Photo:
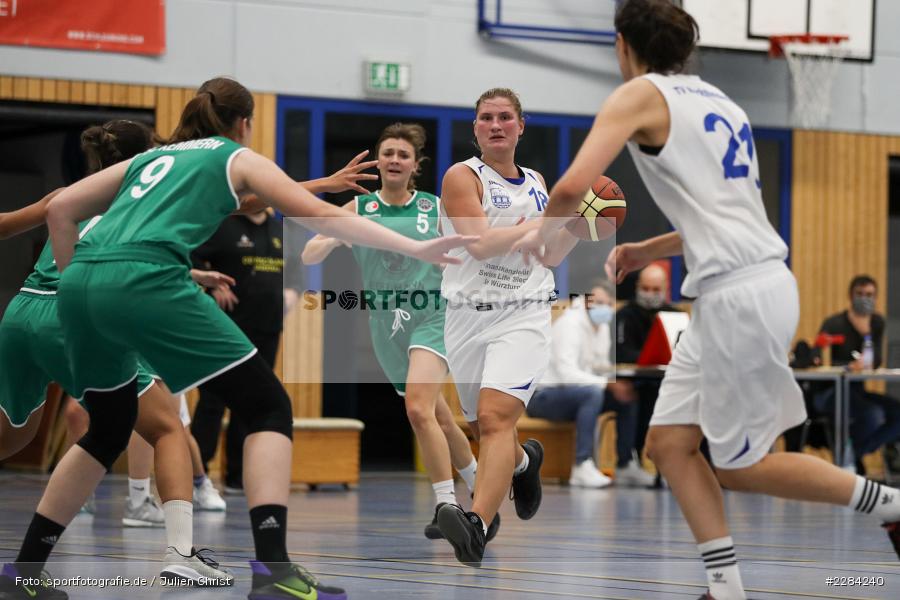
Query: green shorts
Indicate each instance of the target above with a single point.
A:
(395, 333)
(116, 311)
(32, 354)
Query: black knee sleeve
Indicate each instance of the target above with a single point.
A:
(255, 396)
(113, 414)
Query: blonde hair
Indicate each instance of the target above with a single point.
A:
(501, 93)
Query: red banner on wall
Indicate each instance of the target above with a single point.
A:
(132, 26)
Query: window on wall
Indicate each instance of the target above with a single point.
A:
(295, 135)
(538, 148)
(769, 157)
(346, 135)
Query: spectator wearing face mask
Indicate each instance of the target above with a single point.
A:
(874, 418)
(576, 388)
(633, 323)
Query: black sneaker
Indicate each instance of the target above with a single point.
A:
(526, 487)
(272, 581)
(893, 531)
(493, 528)
(465, 533)
(15, 586)
(432, 531)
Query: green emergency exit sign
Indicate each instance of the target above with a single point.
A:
(387, 77)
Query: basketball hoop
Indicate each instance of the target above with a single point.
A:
(813, 61)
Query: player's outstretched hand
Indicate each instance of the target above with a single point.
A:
(211, 279)
(624, 259)
(435, 251)
(349, 177)
(532, 244)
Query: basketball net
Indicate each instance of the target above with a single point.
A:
(813, 61)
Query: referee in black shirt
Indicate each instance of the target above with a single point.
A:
(249, 249)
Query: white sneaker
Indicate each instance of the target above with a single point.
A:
(634, 476)
(199, 569)
(206, 497)
(148, 514)
(89, 507)
(585, 474)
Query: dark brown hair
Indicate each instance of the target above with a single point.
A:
(501, 93)
(409, 132)
(219, 103)
(115, 141)
(662, 34)
(860, 281)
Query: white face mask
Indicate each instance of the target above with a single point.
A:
(600, 314)
(650, 300)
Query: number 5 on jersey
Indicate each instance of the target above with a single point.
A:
(152, 175)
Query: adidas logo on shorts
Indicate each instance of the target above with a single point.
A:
(269, 523)
(50, 539)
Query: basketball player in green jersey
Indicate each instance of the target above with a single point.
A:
(126, 293)
(408, 334)
(32, 354)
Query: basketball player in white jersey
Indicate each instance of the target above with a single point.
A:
(497, 330)
(729, 377)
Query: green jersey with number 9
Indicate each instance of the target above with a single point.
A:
(173, 197)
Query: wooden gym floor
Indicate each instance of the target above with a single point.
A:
(615, 544)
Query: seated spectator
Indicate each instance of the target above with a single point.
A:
(574, 390)
(874, 418)
(633, 323)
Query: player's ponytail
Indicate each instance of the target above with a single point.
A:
(661, 34)
(409, 132)
(215, 110)
(115, 141)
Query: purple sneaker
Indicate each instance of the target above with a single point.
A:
(16, 586)
(286, 581)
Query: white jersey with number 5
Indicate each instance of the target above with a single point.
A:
(500, 279)
(706, 181)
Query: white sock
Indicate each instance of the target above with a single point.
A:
(484, 525)
(872, 498)
(522, 465)
(138, 490)
(722, 573)
(444, 492)
(468, 474)
(180, 525)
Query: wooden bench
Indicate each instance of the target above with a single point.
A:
(324, 451)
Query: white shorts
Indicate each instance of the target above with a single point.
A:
(506, 349)
(729, 373)
(183, 410)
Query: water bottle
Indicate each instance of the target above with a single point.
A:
(868, 354)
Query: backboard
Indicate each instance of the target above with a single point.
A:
(745, 25)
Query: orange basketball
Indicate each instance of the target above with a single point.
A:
(601, 213)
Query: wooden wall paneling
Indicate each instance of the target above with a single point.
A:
(839, 221)
(91, 92)
(269, 130)
(33, 89)
(48, 90)
(148, 96)
(162, 110)
(20, 88)
(104, 94)
(63, 90)
(6, 87)
(77, 96)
